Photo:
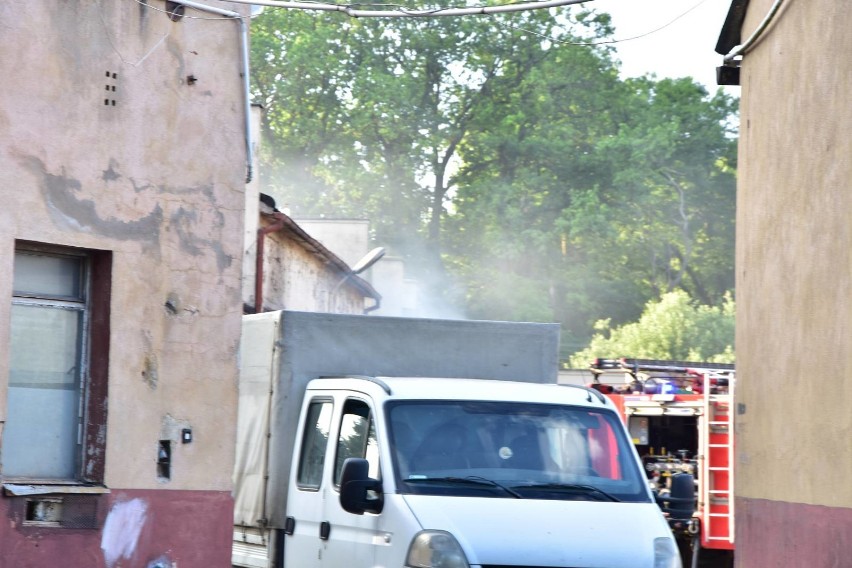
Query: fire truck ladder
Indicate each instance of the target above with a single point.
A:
(717, 472)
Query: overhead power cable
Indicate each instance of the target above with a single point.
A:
(402, 12)
(608, 41)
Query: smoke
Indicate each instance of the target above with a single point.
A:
(416, 284)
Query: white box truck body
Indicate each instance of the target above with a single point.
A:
(391, 442)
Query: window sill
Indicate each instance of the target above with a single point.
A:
(25, 489)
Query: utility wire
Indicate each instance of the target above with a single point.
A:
(397, 11)
(115, 48)
(402, 12)
(163, 11)
(608, 41)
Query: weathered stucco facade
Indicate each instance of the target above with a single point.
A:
(297, 272)
(122, 145)
(794, 314)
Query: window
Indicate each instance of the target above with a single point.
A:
(536, 450)
(357, 438)
(58, 361)
(314, 445)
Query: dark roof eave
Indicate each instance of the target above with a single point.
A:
(731, 34)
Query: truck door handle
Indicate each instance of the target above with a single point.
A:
(325, 530)
(289, 525)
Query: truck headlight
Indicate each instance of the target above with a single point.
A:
(435, 549)
(666, 554)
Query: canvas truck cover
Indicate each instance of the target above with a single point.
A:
(281, 351)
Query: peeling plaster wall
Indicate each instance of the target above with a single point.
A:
(158, 179)
(794, 313)
(295, 279)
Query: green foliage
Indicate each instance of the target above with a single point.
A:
(522, 169)
(673, 328)
(364, 117)
(611, 194)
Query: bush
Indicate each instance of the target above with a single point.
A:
(673, 328)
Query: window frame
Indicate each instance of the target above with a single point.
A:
(308, 429)
(371, 429)
(92, 351)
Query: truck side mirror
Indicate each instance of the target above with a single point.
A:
(679, 504)
(355, 482)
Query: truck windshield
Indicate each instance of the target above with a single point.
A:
(512, 450)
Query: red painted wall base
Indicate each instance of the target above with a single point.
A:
(775, 533)
(129, 529)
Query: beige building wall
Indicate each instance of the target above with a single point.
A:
(348, 238)
(297, 279)
(794, 291)
(400, 295)
(123, 130)
(299, 271)
(794, 288)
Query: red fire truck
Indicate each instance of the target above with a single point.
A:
(680, 416)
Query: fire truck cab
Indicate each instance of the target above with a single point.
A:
(680, 417)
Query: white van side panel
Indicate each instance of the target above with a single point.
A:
(258, 367)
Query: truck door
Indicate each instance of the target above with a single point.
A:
(353, 539)
(303, 547)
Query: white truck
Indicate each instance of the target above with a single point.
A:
(391, 442)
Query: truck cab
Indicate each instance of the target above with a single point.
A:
(458, 473)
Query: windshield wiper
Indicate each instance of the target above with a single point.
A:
(470, 480)
(571, 488)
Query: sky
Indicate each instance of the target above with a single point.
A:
(685, 47)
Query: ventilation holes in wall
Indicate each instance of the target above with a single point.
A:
(110, 87)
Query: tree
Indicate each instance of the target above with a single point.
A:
(673, 328)
(674, 161)
(505, 156)
(605, 193)
(529, 187)
(366, 117)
